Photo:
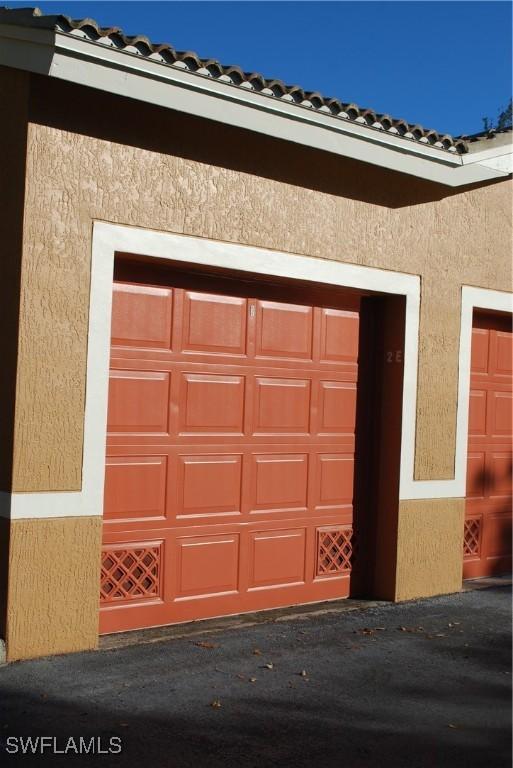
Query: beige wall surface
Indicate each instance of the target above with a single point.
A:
(53, 594)
(429, 548)
(125, 163)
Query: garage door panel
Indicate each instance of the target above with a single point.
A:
(214, 324)
(208, 485)
(503, 357)
(476, 474)
(138, 401)
(278, 482)
(497, 534)
(339, 336)
(282, 405)
(284, 331)
(135, 487)
(477, 413)
(500, 413)
(142, 316)
(334, 480)
(211, 403)
(206, 565)
(479, 353)
(277, 558)
(500, 464)
(337, 407)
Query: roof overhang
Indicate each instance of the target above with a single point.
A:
(96, 65)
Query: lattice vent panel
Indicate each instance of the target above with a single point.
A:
(131, 573)
(334, 551)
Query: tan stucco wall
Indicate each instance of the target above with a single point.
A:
(53, 593)
(429, 547)
(73, 179)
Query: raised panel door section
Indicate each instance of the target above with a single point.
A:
(277, 558)
(476, 474)
(479, 353)
(138, 401)
(135, 487)
(500, 468)
(211, 403)
(141, 316)
(497, 536)
(339, 336)
(504, 353)
(206, 565)
(279, 482)
(334, 484)
(214, 324)
(284, 330)
(337, 407)
(282, 405)
(500, 413)
(208, 485)
(477, 413)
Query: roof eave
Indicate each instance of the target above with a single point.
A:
(70, 58)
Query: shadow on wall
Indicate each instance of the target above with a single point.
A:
(113, 118)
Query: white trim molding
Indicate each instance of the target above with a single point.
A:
(85, 62)
(111, 238)
(471, 298)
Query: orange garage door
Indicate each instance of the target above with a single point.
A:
(230, 452)
(487, 539)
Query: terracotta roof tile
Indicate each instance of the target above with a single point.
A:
(166, 54)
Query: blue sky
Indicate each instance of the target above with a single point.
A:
(442, 64)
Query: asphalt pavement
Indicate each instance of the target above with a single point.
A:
(424, 684)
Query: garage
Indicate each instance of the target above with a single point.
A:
(487, 536)
(230, 447)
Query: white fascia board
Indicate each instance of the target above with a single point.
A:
(502, 150)
(499, 158)
(105, 68)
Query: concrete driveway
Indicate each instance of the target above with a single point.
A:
(421, 685)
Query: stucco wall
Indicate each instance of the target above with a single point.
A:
(429, 548)
(53, 595)
(74, 178)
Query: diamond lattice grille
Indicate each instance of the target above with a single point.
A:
(130, 574)
(334, 551)
(472, 537)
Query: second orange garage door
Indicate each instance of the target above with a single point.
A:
(230, 452)
(488, 514)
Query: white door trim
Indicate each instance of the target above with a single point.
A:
(111, 238)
